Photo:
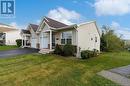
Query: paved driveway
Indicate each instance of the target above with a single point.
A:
(15, 52)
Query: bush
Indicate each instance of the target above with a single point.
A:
(58, 50)
(95, 52)
(88, 54)
(68, 50)
(65, 50)
(19, 42)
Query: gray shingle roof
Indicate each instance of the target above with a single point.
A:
(26, 31)
(53, 23)
(34, 27)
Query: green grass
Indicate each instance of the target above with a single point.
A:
(7, 47)
(52, 70)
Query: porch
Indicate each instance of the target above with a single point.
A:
(26, 40)
(49, 39)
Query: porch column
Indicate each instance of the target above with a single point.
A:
(25, 41)
(50, 40)
(22, 42)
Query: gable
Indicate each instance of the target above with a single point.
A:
(51, 23)
(33, 34)
(54, 23)
(30, 29)
(34, 27)
(45, 28)
(91, 28)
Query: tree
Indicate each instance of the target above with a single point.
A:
(110, 41)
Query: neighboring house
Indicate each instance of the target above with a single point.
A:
(50, 32)
(11, 34)
(30, 36)
(2, 38)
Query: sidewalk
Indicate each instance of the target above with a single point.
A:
(117, 78)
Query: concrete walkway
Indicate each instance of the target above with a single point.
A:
(125, 70)
(117, 78)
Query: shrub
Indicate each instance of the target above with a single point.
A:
(88, 54)
(95, 52)
(68, 50)
(65, 50)
(58, 50)
(19, 42)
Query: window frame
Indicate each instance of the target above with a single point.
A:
(66, 38)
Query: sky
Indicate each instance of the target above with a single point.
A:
(114, 13)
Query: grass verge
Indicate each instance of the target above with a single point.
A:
(53, 70)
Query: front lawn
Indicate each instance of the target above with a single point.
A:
(7, 47)
(52, 70)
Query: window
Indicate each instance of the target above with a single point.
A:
(66, 37)
(95, 39)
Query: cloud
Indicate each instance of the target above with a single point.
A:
(64, 15)
(121, 30)
(83, 3)
(112, 7)
(115, 25)
(15, 25)
(38, 21)
(89, 3)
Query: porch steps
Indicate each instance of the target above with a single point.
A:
(45, 51)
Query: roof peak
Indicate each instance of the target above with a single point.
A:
(54, 23)
(34, 27)
(48, 18)
(33, 24)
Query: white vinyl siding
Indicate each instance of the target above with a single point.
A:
(88, 37)
(33, 43)
(34, 39)
(12, 36)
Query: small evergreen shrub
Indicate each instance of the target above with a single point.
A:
(88, 54)
(68, 50)
(65, 50)
(19, 42)
(58, 50)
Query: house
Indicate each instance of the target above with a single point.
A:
(127, 44)
(11, 34)
(30, 36)
(2, 38)
(85, 36)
